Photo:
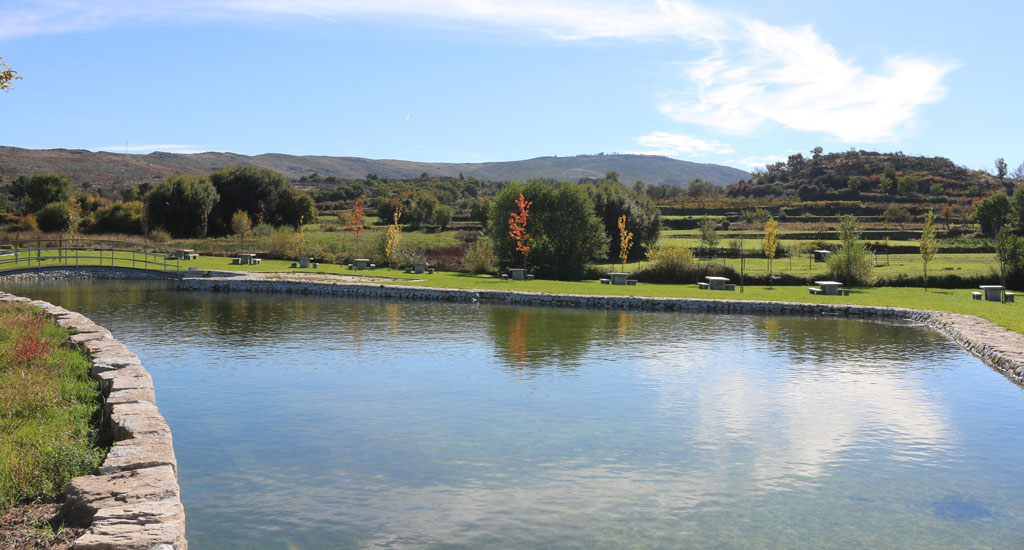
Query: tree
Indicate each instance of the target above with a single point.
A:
(1008, 251)
(947, 214)
(888, 181)
(394, 235)
(992, 212)
(517, 226)
(42, 189)
(240, 225)
(355, 221)
(1001, 168)
(1017, 205)
(816, 152)
(265, 196)
(442, 217)
(181, 204)
(907, 185)
(59, 216)
(478, 212)
(565, 234)
(7, 75)
(929, 244)
(852, 262)
(295, 209)
(770, 243)
(625, 241)
(1018, 173)
(709, 238)
(643, 219)
(701, 188)
(896, 214)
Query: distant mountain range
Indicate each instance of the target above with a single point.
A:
(117, 170)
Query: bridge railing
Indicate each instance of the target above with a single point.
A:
(39, 253)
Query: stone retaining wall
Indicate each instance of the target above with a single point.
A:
(134, 502)
(60, 273)
(996, 346)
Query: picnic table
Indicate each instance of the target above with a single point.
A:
(618, 278)
(517, 273)
(829, 288)
(304, 263)
(717, 283)
(362, 263)
(993, 293)
(248, 259)
(187, 254)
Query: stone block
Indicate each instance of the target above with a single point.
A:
(87, 495)
(145, 451)
(143, 526)
(124, 378)
(135, 420)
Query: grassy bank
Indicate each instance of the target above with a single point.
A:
(50, 410)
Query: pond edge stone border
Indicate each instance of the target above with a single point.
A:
(998, 347)
(135, 501)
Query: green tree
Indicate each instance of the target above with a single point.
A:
(263, 194)
(1009, 252)
(851, 263)
(42, 189)
(888, 181)
(929, 244)
(442, 217)
(479, 211)
(937, 189)
(118, 217)
(709, 238)
(181, 204)
(1001, 168)
(565, 234)
(992, 212)
(907, 185)
(701, 188)
(59, 216)
(1017, 205)
(643, 219)
(896, 214)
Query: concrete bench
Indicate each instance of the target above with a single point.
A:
(1009, 296)
(844, 291)
(235, 261)
(295, 264)
(631, 282)
(373, 266)
(430, 271)
(703, 286)
(408, 270)
(256, 261)
(605, 281)
(731, 287)
(351, 267)
(814, 290)
(529, 276)
(976, 295)
(504, 276)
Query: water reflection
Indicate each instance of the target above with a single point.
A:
(305, 422)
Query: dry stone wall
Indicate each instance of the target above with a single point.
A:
(134, 502)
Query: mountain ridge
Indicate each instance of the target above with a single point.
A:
(117, 170)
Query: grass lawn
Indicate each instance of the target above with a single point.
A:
(49, 408)
(958, 300)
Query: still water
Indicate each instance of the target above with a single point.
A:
(304, 422)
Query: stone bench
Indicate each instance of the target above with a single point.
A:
(605, 281)
(731, 287)
(814, 290)
(631, 282)
(976, 295)
(235, 261)
(703, 286)
(529, 276)
(1009, 296)
(844, 291)
(504, 276)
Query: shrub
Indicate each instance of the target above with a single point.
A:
(286, 243)
(671, 264)
(159, 235)
(480, 257)
(59, 216)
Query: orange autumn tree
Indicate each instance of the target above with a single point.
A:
(625, 241)
(355, 221)
(517, 226)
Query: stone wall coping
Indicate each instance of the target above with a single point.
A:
(134, 502)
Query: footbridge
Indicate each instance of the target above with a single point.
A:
(70, 253)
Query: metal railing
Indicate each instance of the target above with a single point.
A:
(79, 252)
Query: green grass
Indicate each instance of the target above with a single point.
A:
(49, 408)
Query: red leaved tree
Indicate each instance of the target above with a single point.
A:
(517, 226)
(355, 222)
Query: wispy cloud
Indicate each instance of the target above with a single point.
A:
(752, 73)
(755, 161)
(165, 147)
(794, 78)
(671, 145)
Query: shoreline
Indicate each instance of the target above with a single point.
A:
(1000, 348)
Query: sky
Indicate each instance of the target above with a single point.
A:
(725, 82)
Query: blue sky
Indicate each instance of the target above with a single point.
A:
(728, 82)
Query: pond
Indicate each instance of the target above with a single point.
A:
(304, 422)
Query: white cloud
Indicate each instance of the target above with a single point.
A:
(755, 161)
(754, 73)
(793, 78)
(166, 147)
(671, 145)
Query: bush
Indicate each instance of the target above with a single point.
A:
(671, 264)
(59, 217)
(286, 244)
(117, 217)
(159, 235)
(480, 257)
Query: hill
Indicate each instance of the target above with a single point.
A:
(869, 176)
(116, 170)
